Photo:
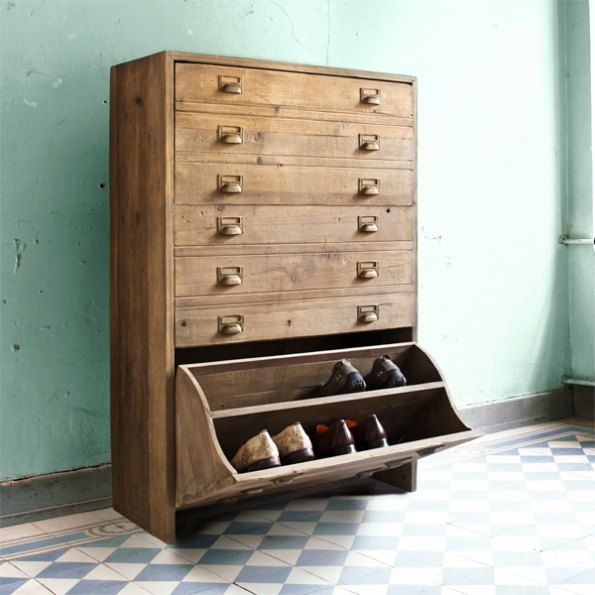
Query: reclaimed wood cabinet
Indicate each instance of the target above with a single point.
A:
(263, 226)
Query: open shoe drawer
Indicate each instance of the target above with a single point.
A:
(220, 405)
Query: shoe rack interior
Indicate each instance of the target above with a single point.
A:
(263, 226)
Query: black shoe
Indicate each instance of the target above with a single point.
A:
(385, 374)
(344, 379)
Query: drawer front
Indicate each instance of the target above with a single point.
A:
(236, 135)
(284, 319)
(251, 86)
(215, 225)
(268, 273)
(205, 183)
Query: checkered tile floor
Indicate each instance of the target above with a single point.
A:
(511, 513)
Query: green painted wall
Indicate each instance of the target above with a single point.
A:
(581, 259)
(493, 308)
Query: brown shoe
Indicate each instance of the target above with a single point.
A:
(368, 433)
(260, 452)
(344, 379)
(385, 374)
(334, 440)
(294, 444)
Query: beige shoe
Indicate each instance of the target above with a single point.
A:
(294, 444)
(260, 452)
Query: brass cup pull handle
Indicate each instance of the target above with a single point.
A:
(369, 228)
(231, 188)
(230, 184)
(367, 224)
(232, 139)
(232, 88)
(285, 480)
(230, 84)
(369, 142)
(368, 317)
(230, 135)
(230, 280)
(229, 276)
(230, 226)
(368, 274)
(368, 314)
(231, 328)
(371, 145)
(367, 270)
(252, 491)
(369, 186)
(370, 96)
(230, 230)
(370, 190)
(230, 325)
(371, 99)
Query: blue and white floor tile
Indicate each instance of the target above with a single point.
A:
(511, 513)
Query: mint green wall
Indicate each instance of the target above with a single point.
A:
(581, 259)
(493, 308)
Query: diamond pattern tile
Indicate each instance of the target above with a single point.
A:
(511, 513)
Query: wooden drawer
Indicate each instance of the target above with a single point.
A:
(210, 84)
(282, 319)
(222, 404)
(197, 183)
(270, 273)
(208, 133)
(208, 225)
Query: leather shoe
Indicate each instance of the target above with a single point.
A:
(344, 379)
(294, 444)
(385, 374)
(260, 452)
(368, 433)
(333, 440)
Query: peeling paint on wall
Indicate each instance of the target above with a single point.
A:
(489, 311)
(19, 248)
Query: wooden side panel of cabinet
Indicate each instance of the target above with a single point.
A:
(142, 348)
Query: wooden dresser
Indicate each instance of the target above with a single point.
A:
(263, 226)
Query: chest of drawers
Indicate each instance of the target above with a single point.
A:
(262, 223)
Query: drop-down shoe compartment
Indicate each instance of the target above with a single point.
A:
(220, 405)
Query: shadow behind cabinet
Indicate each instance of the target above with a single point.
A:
(262, 227)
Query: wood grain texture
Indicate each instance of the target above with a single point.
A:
(300, 162)
(403, 477)
(419, 419)
(297, 160)
(295, 248)
(142, 349)
(309, 91)
(289, 272)
(323, 472)
(191, 58)
(292, 358)
(276, 224)
(266, 320)
(197, 183)
(399, 409)
(281, 380)
(231, 300)
(200, 463)
(198, 133)
(395, 408)
(278, 111)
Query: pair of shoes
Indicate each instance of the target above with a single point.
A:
(347, 436)
(291, 445)
(345, 378)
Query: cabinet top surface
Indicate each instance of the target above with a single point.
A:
(175, 56)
